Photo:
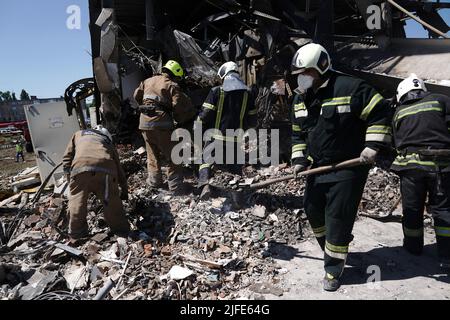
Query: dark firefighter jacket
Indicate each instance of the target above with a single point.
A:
(337, 122)
(421, 122)
(224, 110)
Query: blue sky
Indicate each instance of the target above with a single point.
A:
(37, 51)
(40, 54)
(415, 30)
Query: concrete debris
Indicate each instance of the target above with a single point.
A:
(72, 251)
(232, 215)
(180, 247)
(28, 178)
(37, 283)
(32, 172)
(382, 192)
(259, 211)
(11, 199)
(266, 288)
(273, 218)
(177, 273)
(140, 151)
(76, 277)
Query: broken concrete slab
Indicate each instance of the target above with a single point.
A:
(178, 273)
(71, 250)
(26, 183)
(259, 211)
(34, 235)
(266, 288)
(11, 199)
(273, 218)
(37, 284)
(99, 237)
(140, 151)
(76, 277)
(95, 274)
(32, 220)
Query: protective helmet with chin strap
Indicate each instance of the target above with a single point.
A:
(103, 131)
(226, 68)
(413, 82)
(312, 55)
(174, 68)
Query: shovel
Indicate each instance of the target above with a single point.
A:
(240, 197)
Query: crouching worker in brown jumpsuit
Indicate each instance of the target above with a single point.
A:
(91, 164)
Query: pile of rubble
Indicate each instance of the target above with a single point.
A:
(381, 194)
(26, 179)
(181, 248)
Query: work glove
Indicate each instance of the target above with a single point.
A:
(298, 168)
(368, 155)
(124, 195)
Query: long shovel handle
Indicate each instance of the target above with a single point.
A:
(342, 165)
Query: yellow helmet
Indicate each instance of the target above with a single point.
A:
(175, 68)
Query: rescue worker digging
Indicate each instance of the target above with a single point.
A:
(228, 107)
(421, 134)
(335, 118)
(161, 103)
(91, 164)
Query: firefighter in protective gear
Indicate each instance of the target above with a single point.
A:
(91, 164)
(421, 133)
(334, 118)
(162, 103)
(228, 107)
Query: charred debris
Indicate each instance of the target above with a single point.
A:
(183, 248)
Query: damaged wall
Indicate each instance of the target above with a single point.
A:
(137, 36)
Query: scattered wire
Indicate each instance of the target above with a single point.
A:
(58, 296)
(137, 47)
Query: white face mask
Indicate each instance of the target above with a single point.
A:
(304, 82)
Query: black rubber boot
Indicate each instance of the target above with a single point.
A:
(413, 246)
(331, 283)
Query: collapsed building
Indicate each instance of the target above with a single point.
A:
(131, 40)
(183, 248)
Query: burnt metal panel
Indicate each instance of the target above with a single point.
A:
(51, 129)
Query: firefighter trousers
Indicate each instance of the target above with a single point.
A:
(415, 185)
(106, 189)
(331, 209)
(159, 144)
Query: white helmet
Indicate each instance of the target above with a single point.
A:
(104, 131)
(312, 55)
(411, 83)
(226, 68)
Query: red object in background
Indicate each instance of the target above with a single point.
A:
(20, 125)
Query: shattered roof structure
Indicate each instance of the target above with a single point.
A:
(138, 35)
